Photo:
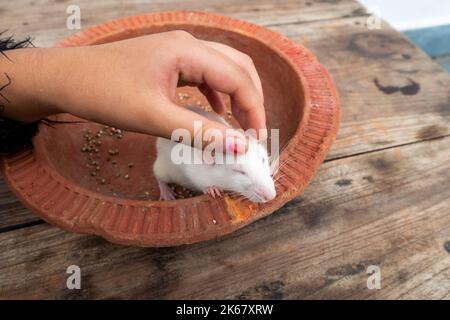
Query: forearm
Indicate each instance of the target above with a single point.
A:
(42, 82)
(131, 84)
(24, 80)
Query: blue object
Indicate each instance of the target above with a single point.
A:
(435, 41)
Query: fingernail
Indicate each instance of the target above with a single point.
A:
(235, 144)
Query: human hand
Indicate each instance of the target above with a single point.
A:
(131, 84)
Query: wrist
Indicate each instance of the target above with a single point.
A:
(28, 94)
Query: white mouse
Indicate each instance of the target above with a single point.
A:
(250, 176)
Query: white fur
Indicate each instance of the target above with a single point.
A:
(256, 184)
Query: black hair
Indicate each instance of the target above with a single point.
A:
(13, 134)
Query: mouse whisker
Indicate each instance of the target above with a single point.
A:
(278, 172)
(279, 177)
(282, 149)
(281, 165)
(279, 153)
(258, 196)
(276, 181)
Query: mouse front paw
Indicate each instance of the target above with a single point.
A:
(213, 191)
(165, 192)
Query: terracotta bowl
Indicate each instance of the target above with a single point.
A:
(55, 179)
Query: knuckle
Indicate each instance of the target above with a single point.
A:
(247, 59)
(258, 101)
(244, 78)
(181, 35)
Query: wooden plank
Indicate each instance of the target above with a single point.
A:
(356, 57)
(12, 212)
(388, 208)
(370, 69)
(45, 20)
(372, 119)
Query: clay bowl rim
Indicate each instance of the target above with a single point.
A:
(93, 39)
(287, 49)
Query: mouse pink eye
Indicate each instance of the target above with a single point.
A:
(239, 171)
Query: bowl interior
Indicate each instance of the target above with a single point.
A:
(122, 163)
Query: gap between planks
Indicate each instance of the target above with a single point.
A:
(316, 247)
(386, 148)
(36, 222)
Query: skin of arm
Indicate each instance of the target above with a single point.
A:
(131, 84)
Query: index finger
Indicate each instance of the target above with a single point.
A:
(203, 64)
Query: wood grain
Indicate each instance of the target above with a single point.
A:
(371, 118)
(12, 212)
(381, 198)
(387, 208)
(45, 20)
(370, 69)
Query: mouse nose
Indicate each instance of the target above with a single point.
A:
(268, 194)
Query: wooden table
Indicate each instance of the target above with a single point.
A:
(381, 198)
